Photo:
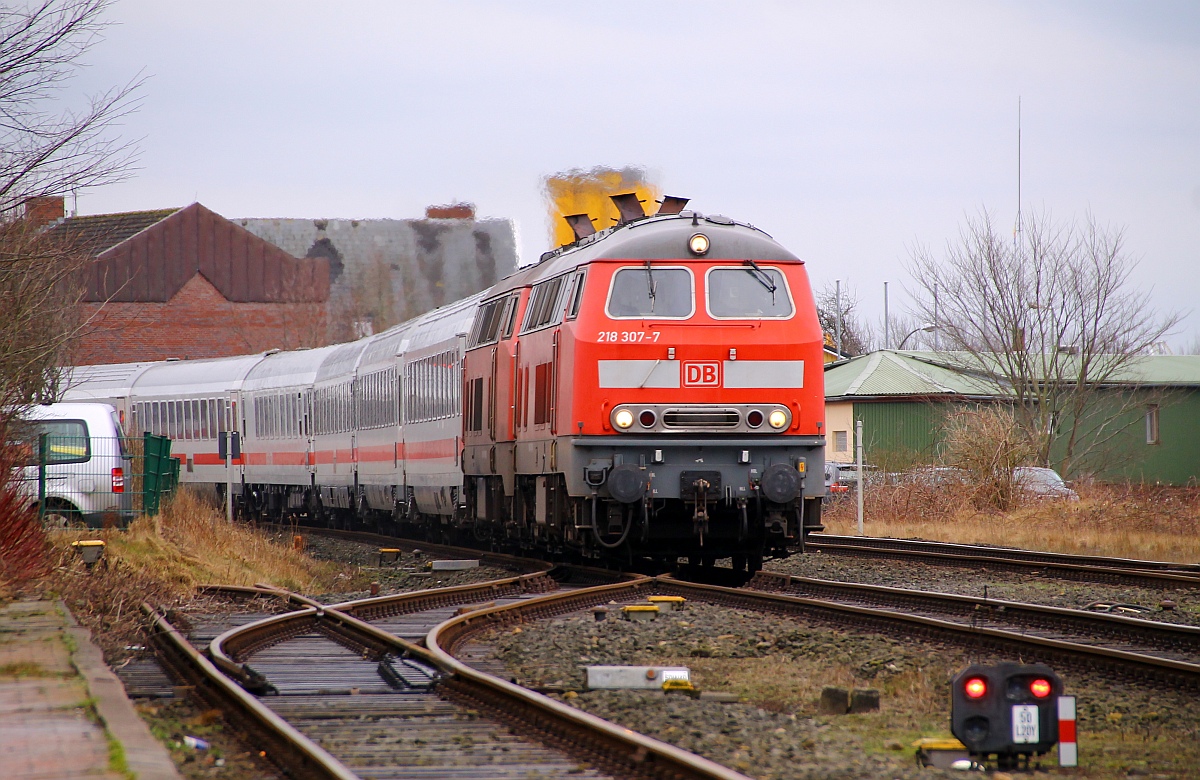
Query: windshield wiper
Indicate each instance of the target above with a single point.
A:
(650, 285)
(763, 278)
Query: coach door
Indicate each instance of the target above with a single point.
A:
(310, 457)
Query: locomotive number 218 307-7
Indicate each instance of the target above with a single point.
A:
(628, 336)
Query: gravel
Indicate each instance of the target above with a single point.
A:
(1005, 585)
(778, 667)
(406, 574)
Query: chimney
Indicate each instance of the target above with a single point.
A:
(451, 211)
(44, 210)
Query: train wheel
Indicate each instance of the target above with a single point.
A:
(755, 563)
(739, 563)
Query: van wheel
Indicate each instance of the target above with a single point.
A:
(58, 515)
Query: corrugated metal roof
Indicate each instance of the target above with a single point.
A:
(895, 373)
(148, 256)
(1166, 370)
(888, 372)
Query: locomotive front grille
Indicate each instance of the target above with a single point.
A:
(701, 418)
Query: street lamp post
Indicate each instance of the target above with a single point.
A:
(922, 329)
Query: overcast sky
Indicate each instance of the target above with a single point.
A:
(849, 131)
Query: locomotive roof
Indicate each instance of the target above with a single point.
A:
(655, 238)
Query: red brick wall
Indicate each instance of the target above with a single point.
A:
(44, 210)
(198, 322)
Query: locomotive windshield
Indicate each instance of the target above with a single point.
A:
(750, 292)
(659, 292)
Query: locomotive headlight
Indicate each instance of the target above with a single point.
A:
(698, 244)
(623, 419)
(777, 419)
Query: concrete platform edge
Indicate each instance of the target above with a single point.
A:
(145, 756)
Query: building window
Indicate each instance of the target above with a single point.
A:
(1152, 424)
(841, 441)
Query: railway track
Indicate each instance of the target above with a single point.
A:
(1168, 641)
(1085, 568)
(347, 690)
(1136, 652)
(338, 696)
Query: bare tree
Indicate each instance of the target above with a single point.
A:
(1052, 321)
(47, 147)
(856, 334)
(40, 292)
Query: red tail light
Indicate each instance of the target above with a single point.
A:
(1040, 688)
(975, 687)
(118, 481)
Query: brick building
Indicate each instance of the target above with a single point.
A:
(188, 283)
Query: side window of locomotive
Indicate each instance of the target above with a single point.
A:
(510, 315)
(487, 322)
(544, 305)
(748, 293)
(576, 295)
(641, 291)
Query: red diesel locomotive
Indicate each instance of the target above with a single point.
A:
(653, 390)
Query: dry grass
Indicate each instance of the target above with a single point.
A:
(162, 559)
(1134, 521)
(190, 544)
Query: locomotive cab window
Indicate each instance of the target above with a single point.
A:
(748, 292)
(651, 291)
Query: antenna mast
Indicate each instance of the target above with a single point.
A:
(1017, 229)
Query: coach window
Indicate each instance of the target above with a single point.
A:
(749, 292)
(651, 291)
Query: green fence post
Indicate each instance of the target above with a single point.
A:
(43, 444)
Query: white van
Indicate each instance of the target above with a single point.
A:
(88, 468)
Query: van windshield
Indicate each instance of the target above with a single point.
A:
(642, 291)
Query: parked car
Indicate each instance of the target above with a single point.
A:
(86, 464)
(1039, 482)
(933, 476)
(842, 478)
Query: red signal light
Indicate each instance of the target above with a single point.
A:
(1040, 688)
(976, 687)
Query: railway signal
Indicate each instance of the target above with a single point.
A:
(1008, 710)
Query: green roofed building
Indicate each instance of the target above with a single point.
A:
(903, 398)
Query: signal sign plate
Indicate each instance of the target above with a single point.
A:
(701, 374)
(1025, 724)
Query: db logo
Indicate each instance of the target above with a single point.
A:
(702, 374)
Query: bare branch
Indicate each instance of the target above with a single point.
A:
(46, 148)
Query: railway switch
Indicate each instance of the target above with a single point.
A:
(1007, 710)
